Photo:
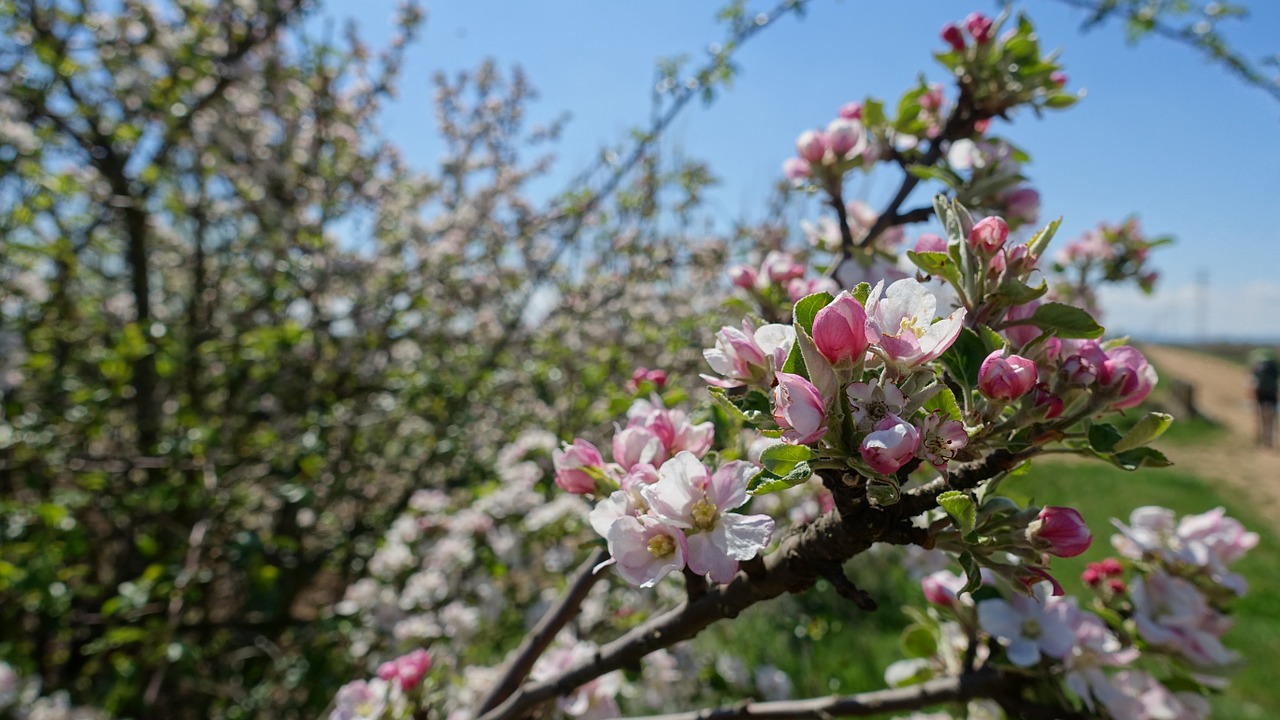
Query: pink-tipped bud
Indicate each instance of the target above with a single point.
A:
(1126, 371)
(1022, 204)
(1117, 586)
(1059, 78)
(1006, 378)
(795, 168)
(929, 242)
(941, 587)
(951, 35)
(981, 126)
(933, 98)
(979, 27)
(572, 464)
(798, 409)
(780, 267)
(844, 137)
(851, 111)
(891, 445)
(840, 330)
(1060, 531)
(1048, 403)
(743, 276)
(812, 146)
(988, 235)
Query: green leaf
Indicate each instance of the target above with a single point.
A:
(794, 363)
(861, 292)
(1040, 241)
(1063, 320)
(1147, 429)
(964, 358)
(944, 402)
(1140, 457)
(972, 572)
(961, 508)
(1061, 100)
(1017, 293)
(783, 458)
(1103, 437)
(919, 641)
(933, 172)
(808, 307)
(752, 407)
(766, 482)
(938, 264)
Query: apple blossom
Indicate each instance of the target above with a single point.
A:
(406, 670)
(943, 588)
(1174, 614)
(845, 138)
(635, 445)
(951, 35)
(900, 322)
(870, 403)
(1059, 531)
(799, 288)
(928, 242)
(1128, 372)
(851, 111)
(988, 235)
(794, 168)
(799, 409)
(1029, 627)
(940, 438)
(743, 276)
(573, 465)
(840, 330)
(979, 27)
(780, 267)
(688, 497)
(749, 356)
(646, 549)
(890, 445)
(1004, 377)
(812, 146)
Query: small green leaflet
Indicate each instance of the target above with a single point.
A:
(961, 508)
(1147, 429)
(766, 482)
(782, 458)
(944, 402)
(1062, 320)
(807, 309)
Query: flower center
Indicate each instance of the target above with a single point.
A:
(1030, 628)
(661, 546)
(913, 324)
(704, 513)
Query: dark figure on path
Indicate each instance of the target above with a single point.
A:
(1265, 374)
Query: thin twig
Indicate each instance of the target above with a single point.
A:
(536, 642)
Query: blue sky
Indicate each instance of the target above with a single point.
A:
(1161, 133)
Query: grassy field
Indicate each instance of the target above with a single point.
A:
(827, 646)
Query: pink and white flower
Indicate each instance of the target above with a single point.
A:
(940, 438)
(870, 403)
(799, 409)
(840, 330)
(890, 445)
(1029, 627)
(1006, 377)
(749, 356)
(406, 670)
(645, 548)
(687, 496)
(900, 322)
(575, 465)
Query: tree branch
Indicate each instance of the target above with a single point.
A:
(983, 683)
(536, 642)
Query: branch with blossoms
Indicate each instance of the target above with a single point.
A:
(896, 408)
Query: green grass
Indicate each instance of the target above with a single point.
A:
(828, 646)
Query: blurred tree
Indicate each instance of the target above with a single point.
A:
(239, 331)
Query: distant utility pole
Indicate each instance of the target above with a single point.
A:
(1202, 304)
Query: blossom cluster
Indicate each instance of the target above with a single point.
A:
(1165, 623)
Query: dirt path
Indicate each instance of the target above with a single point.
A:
(1221, 391)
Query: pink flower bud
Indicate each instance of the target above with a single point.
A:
(635, 445)
(571, 464)
(812, 146)
(981, 126)
(840, 330)
(844, 137)
(932, 100)
(941, 587)
(1060, 531)
(743, 276)
(929, 242)
(1022, 204)
(951, 36)
(406, 670)
(1127, 371)
(1059, 78)
(795, 168)
(1048, 403)
(1006, 378)
(851, 111)
(799, 409)
(988, 235)
(979, 27)
(1117, 586)
(891, 445)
